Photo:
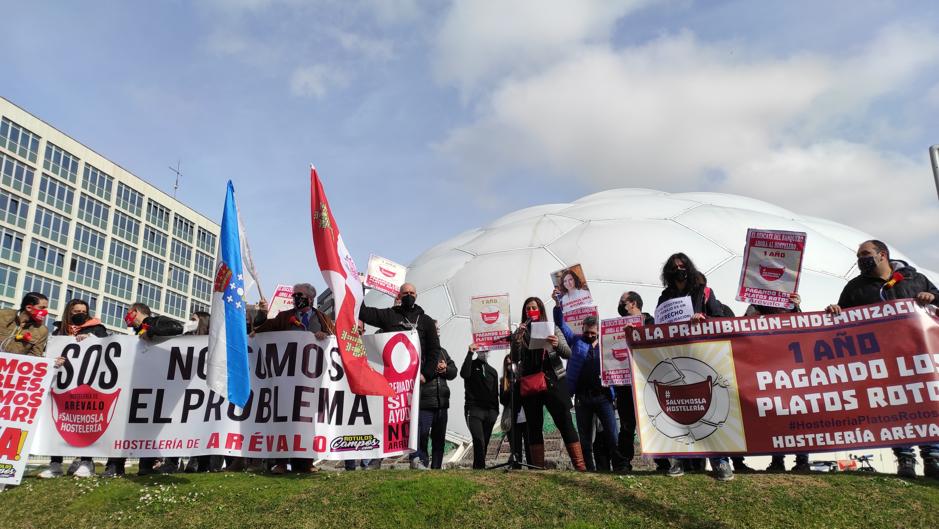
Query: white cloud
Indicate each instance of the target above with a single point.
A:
(316, 80)
(483, 39)
(370, 48)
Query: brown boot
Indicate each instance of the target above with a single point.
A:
(577, 456)
(537, 455)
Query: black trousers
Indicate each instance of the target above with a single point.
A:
(480, 422)
(431, 426)
(59, 459)
(627, 422)
(558, 404)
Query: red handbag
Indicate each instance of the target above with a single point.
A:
(533, 384)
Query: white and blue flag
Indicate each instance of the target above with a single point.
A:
(227, 360)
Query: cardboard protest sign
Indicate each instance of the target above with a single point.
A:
(861, 379)
(575, 318)
(674, 310)
(24, 381)
(282, 300)
(772, 264)
(572, 283)
(489, 317)
(385, 275)
(126, 397)
(614, 351)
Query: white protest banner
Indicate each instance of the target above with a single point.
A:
(572, 284)
(614, 351)
(575, 318)
(126, 397)
(24, 381)
(674, 310)
(489, 317)
(772, 264)
(385, 275)
(282, 300)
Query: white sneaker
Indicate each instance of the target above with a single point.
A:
(74, 466)
(417, 465)
(54, 471)
(85, 470)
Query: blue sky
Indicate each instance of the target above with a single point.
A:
(429, 118)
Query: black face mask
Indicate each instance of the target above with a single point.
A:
(622, 310)
(407, 302)
(79, 319)
(867, 264)
(300, 301)
(677, 275)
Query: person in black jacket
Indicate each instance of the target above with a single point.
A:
(481, 401)
(680, 278)
(436, 369)
(77, 322)
(630, 304)
(406, 315)
(871, 286)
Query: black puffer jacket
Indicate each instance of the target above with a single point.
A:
(864, 290)
(481, 383)
(162, 326)
(435, 393)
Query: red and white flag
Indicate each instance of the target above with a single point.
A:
(342, 277)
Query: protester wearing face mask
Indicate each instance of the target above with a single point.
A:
(680, 279)
(881, 279)
(407, 315)
(24, 331)
(303, 318)
(544, 385)
(591, 399)
(76, 322)
(481, 400)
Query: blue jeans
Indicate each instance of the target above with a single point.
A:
(602, 407)
(924, 451)
(432, 426)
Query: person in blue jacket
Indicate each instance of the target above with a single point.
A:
(591, 398)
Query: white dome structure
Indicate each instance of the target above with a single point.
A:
(622, 238)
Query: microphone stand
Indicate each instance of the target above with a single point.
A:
(515, 441)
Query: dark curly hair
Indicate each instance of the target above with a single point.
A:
(669, 268)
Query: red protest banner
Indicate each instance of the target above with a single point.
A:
(772, 264)
(802, 382)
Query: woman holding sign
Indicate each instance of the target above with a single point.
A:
(680, 279)
(538, 347)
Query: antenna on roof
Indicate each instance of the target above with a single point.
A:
(178, 174)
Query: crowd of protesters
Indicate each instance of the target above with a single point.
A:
(559, 374)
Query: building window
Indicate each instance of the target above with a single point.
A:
(51, 225)
(181, 254)
(112, 312)
(11, 244)
(88, 241)
(202, 288)
(17, 175)
(125, 227)
(13, 209)
(179, 279)
(183, 228)
(196, 306)
(206, 241)
(154, 240)
(150, 294)
(18, 140)
(123, 255)
(93, 211)
(158, 215)
(46, 257)
(51, 289)
(73, 292)
(56, 194)
(152, 267)
(8, 276)
(84, 272)
(60, 162)
(97, 182)
(119, 284)
(128, 199)
(204, 264)
(176, 304)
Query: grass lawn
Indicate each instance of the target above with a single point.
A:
(467, 499)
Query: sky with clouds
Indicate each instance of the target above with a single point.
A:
(429, 118)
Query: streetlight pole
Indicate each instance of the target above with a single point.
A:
(934, 156)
